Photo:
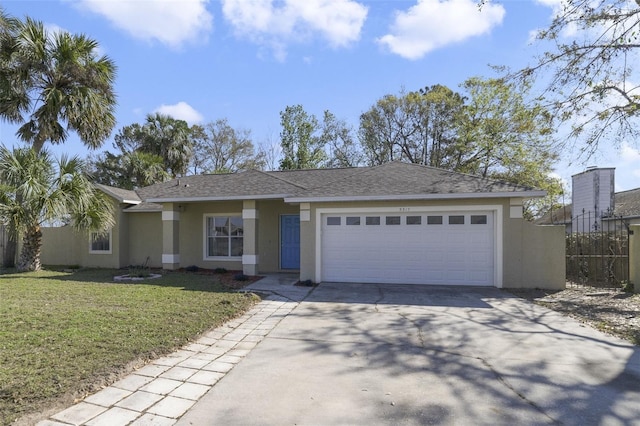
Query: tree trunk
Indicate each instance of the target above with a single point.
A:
(31, 247)
(9, 258)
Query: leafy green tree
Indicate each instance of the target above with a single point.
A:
(53, 83)
(35, 188)
(302, 147)
(338, 137)
(502, 136)
(219, 148)
(441, 111)
(163, 136)
(490, 130)
(416, 127)
(588, 73)
(130, 170)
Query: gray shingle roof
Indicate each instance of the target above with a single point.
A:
(409, 180)
(145, 207)
(628, 203)
(121, 195)
(395, 179)
(244, 185)
(308, 179)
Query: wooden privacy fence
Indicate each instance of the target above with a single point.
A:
(598, 251)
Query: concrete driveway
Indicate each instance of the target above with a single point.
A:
(365, 354)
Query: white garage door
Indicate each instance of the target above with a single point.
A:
(450, 248)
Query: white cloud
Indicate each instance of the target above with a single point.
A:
(629, 154)
(432, 24)
(339, 22)
(556, 4)
(53, 29)
(181, 111)
(170, 22)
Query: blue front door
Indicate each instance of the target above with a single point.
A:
(290, 241)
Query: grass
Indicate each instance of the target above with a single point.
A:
(63, 335)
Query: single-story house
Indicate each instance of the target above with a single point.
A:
(393, 223)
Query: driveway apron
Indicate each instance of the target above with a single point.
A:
(365, 354)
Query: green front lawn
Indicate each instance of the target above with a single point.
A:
(62, 335)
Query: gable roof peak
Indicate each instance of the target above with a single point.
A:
(124, 196)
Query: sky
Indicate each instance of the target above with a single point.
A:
(246, 60)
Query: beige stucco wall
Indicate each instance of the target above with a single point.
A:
(100, 260)
(269, 233)
(191, 233)
(544, 254)
(61, 246)
(532, 256)
(634, 256)
(64, 246)
(144, 238)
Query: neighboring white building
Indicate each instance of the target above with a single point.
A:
(593, 197)
(595, 204)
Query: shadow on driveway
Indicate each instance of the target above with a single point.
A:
(389, 354)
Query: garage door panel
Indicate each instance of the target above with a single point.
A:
(409, 253)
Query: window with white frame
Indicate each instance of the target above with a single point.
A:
(100, 242)
(223, 236)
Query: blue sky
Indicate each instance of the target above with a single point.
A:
(246, 60)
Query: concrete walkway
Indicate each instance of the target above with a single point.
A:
(164, 390)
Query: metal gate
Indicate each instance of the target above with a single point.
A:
(598, 251)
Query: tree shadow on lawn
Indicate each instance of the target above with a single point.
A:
(512, 363)
(202, 280)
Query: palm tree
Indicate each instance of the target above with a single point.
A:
(52, 83)
(35, 188)
(169, 138)
(130, 170)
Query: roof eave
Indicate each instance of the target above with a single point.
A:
(105, 189)
(451, 196)
(222, 198)
(142, 211)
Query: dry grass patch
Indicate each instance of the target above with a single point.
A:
(610, 310)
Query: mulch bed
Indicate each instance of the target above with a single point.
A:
(234, 280)
(610, 310)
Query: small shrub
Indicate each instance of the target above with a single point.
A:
(627, 286)
(192, 268)
(139, 271)
(220, 271)
(306, 283)
(241, 277)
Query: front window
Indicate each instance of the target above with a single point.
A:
(100, 242)
(224, 236)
